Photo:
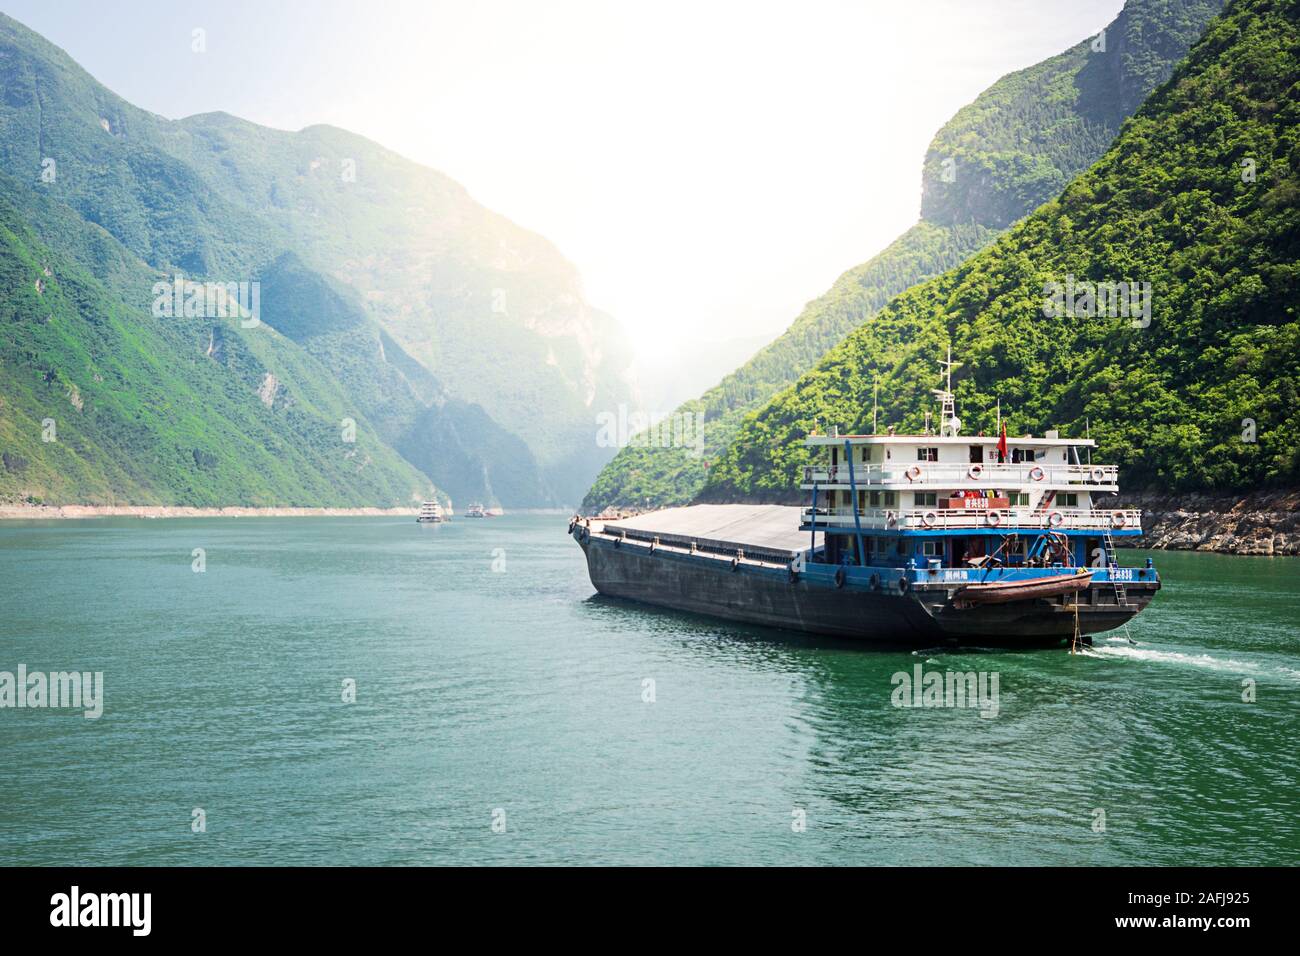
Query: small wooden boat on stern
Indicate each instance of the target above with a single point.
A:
(1003, 592)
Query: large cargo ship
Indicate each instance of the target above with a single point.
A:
(913, 538)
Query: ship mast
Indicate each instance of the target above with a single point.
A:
(949, 423)
(875, 403)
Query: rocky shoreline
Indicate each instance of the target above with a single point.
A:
(41, 512)
(1266, 522)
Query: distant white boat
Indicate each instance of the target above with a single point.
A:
(476, 510)
(430, 513)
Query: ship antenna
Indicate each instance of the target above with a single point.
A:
(875, 402)
(949, 423)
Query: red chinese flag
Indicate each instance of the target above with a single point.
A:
(1002, 446)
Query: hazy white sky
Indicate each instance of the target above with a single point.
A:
(709, 166)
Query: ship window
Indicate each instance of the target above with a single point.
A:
(931, 548)
(1019, 500)
(926, 499)
(875, 499)
(866, 454)
(927, 454)
(891, 499)
(1070, 500)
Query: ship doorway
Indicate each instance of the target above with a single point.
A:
(976, 454)
(965, 550)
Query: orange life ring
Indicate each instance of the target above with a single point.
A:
(974, 471)
(1117, 519)
(1055, 519)
(1037, 473)
(913, 473)
(994, 519)
(929, 518)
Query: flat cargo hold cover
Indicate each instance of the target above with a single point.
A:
(775, 527)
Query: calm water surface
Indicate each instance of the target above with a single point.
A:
(518, 690)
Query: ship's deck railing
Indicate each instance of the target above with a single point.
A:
(885, 573)
(929, 474)
(717, 546)
(1000, 519)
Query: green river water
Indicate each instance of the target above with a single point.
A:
(506, 715)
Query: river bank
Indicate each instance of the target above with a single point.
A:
(1256, 523)
(1264, 523)
(41, 512)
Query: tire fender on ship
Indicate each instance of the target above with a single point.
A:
(840, 577)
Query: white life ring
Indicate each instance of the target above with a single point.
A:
(1098, 474)
(1117, 519)
(1037, 473)
(974, 471)
(1055, 519)
(929, 518)
(913, 473)
(994, 519)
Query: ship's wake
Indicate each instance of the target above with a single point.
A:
(1120, 649)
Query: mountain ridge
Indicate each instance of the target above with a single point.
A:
(217, 197)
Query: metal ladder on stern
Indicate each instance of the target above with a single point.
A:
(1112, 562)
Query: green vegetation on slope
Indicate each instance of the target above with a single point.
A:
(1032, 131)
(102, 402)
(457, 444)
(1005, 154)
(1174, 203)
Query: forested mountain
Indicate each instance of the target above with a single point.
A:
(487, 334)
(995, 161)
(1197, 203)
(101, 402)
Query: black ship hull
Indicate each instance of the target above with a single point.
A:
(888, 607)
